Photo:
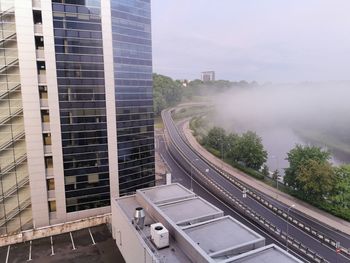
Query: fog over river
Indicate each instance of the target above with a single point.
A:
(284, 115)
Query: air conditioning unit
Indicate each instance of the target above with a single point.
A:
(159, 235)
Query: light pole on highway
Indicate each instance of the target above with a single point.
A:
(289, 208)
(191, 172)
(277, 168)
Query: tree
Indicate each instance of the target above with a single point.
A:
(167, 92)
(341, 193)
(216, 138)
(250, 150)
(275, 175)
(298, 157)
(317, 179)
(265, 170)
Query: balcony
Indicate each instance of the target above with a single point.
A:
(49, 172)
(36, 4)
(47, 149)
(51, 194)
(38, 29)
(40, 55)
(42, 78)
(46, 126)
(44, 103)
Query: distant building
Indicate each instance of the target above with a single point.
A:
(208, 76)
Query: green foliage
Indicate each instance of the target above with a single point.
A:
(316, 178)
(216, 138)
(246, 149)
(341, 192)
(275, 175)
(265, 170)
(250, 150)
(167, 92)
(298, 157)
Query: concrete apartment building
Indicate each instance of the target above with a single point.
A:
(76, 108)
(208, 76)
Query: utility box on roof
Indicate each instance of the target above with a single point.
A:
(159, 235)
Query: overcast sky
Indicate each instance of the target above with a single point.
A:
(263, 40)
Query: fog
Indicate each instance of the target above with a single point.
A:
(283, 115)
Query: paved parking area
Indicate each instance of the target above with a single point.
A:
(84, 246)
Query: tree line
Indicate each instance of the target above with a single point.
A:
(168, 92)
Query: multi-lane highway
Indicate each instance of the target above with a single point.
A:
(186, 161)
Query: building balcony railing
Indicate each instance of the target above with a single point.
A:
(42, 78)
(49, 172)
(13, 189)
(6, 117)
(23, 205)
(38, 29)
(51, 194)
(46, 126)
(40, 54)
(47, 149)
(9, 140)
(36, 4)
(5, 169)
(6, 92)
(44, 103)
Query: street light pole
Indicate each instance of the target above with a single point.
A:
(277, 169)
(287, 237)
(191, 188)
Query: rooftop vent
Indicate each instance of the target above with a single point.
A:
(139, 217)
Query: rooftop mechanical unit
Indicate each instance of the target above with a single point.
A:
(159, 235)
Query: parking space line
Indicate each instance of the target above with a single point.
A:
(92, 238)
(71, 238)
(30, 251)
(52, 251)
(8, 254)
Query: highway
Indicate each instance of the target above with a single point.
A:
(179, 156)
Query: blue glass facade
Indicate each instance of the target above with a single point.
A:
(81, 88)
(132, 48)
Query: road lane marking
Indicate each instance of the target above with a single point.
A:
(52, 251)
(71, 238)
(92, 238)
(30, 251)
(8, 254)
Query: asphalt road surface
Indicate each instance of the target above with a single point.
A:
(179, 169)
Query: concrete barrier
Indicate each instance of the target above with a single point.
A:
(55, 229)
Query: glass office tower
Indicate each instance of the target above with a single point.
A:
(80, 78)
(132, 48)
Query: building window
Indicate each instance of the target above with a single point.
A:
(47, 138)
(50, 184)
(43, 92)
(48, 162)
(52, 206)
(45, 116)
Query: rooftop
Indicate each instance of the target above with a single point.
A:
(199, 231)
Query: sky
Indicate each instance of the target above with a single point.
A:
(262, 40)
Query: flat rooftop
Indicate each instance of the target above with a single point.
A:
(167, 193)
(224, 235)
(199, 232)
(192, 210)
(271, 253)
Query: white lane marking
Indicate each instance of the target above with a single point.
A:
(71, 238)
(30, 251)
(52, 251)
(8, 254)
(92, 238)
